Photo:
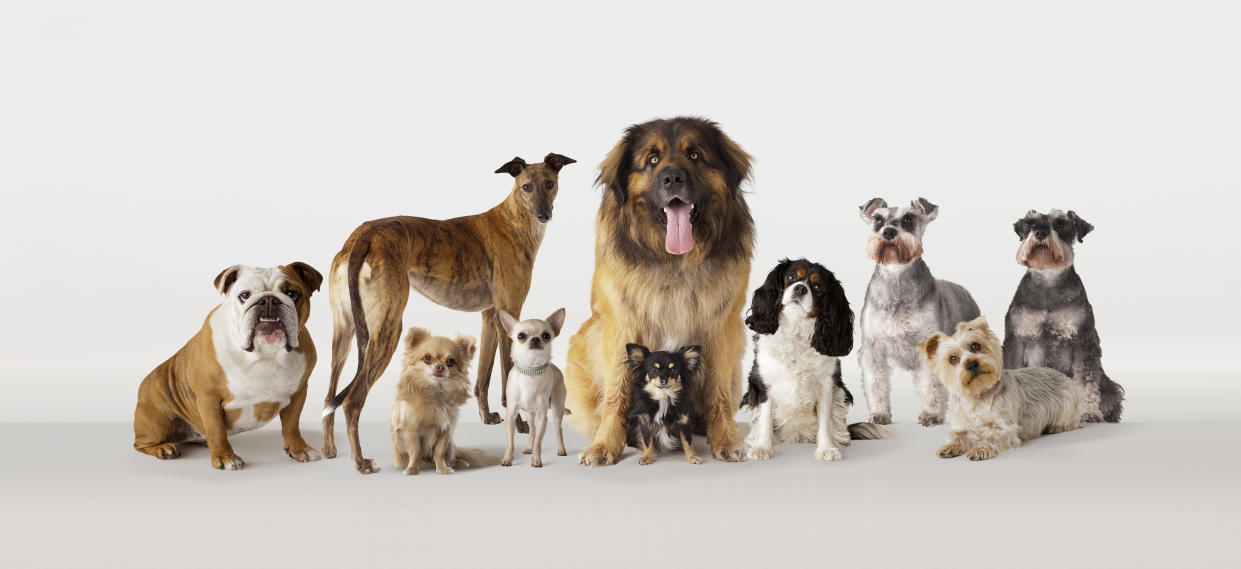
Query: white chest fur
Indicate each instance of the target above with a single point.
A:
(269, 376)
(795, 374)
(1030, 323)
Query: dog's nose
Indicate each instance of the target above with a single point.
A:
(971, 366)
(543, 217)
(889, 233)
(439, 369)
(264, 301)
(672, 179)
(536, 343)
(663, 382)
(800, 289)
(1040, 234)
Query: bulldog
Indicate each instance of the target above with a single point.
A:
(250, 361)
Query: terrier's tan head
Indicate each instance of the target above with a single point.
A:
(968, 362)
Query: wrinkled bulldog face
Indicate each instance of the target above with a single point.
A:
(267, 306)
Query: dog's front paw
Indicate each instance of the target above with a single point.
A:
(1092, 417)
(536, 462)
(951, 450)
(828, 454)
(598, 455)
(302, 452)
(981, 453)
(694, 459)
(329, 450)
(163, 451)
(227, 461)
(444, 469)
(366, 466)
(562, 452)
(411, 470)
(645, 460)
(507, 460)
(728, 451)
(491, 419)
(880, 418)
(760, 452)
(927, 419)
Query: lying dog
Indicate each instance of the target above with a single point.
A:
(249, 362)
(1050, 321)
(661, 414)
(993, 411)
(435, 383)
(478, 262)
(536, 386)
(803, 325)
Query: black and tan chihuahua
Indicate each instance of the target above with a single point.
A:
(661, 414)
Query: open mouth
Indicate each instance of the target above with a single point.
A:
(678, 217)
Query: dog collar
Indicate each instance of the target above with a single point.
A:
(530, 370)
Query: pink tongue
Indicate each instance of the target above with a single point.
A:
(680, 239)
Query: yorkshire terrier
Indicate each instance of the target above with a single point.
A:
(434, 384)
(992, 409)
(661, 413)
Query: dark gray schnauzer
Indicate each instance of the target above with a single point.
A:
(1050, 322)
(904, 306)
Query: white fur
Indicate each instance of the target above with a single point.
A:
(536, 395)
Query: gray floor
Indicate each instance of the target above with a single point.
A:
(1127, 495)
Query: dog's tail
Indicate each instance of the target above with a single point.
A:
(471, 457)
(867, 431)
(1112, 397)
(756, 391)
(356, 257)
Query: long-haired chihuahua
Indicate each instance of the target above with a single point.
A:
(661, 410)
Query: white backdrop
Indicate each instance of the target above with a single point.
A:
(145, 146)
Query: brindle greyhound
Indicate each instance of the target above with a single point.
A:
(475, 263)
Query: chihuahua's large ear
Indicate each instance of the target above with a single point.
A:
(926, 209)
(692, 356)
(466, 346)
(765, 308)
(833, 330)
(513, 167)
(226, 278)
(506, 320)
(308, 274)
(556, 321)
(929, 346)
(557, 161)
(1080, 225)
(868, 209)
(635, 354)
(415, 337)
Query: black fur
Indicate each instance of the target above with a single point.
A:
(833, 327)
(643, 417)
(512, 167)
(756, 390)
(765, 307)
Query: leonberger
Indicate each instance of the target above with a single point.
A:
(673, 240)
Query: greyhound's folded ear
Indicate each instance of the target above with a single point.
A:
(512, 167)
(557, 161)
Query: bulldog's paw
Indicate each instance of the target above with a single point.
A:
(302, 453)
(728, 451)
(227, 461)
(522, 425)
(951, 450)
(927, 419)
(981, 453)
(760, 452)
(828, 454)
(598, 455)
(880, 418)
(163, 451)
(491, 419)
(366, 466)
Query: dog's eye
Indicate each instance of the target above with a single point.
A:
(693, 154)
(525, 187)
(789, 278)
(654, 159)
(546, 336)
(427, 358)
(953, 360)
(293, 295)
(908, 221)
(451, 362)
(975, 347)
(521, 336)
(245, 295)
(548, 184)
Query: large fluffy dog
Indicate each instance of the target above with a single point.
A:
(1050, 321)
(673, 240)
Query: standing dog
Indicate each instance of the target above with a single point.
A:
(1050, 321)
(478, 262)
(661, 415)
(673, 240)
(250, 361)
(904, 304)
(995, 409)
(435, 382)
(537, 386)
(803, 325)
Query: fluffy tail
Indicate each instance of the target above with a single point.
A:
(356, 257)
(867, 431)
(756, 392)
(472, 457)
(1112, 397)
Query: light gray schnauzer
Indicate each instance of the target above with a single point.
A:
(904, 306)
(1050, 323)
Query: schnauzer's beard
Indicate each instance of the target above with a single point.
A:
(1052, 253)
(899, 251)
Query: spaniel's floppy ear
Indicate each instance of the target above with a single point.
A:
(308, 274)
(506, 320)
(833, 330)
(226, 278)
(693, 358)
(512, 167)
(1080, 225)
(557, 161)
(929, 346)
(614, 170)
(416, 336)
(868, 209)
(765, 309)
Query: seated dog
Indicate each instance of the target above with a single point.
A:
(661, 412)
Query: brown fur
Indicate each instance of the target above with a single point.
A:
(183, 398)
(426, 410)
(474, 263)
(640, 293)
(899, 251)
(1050, 254)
